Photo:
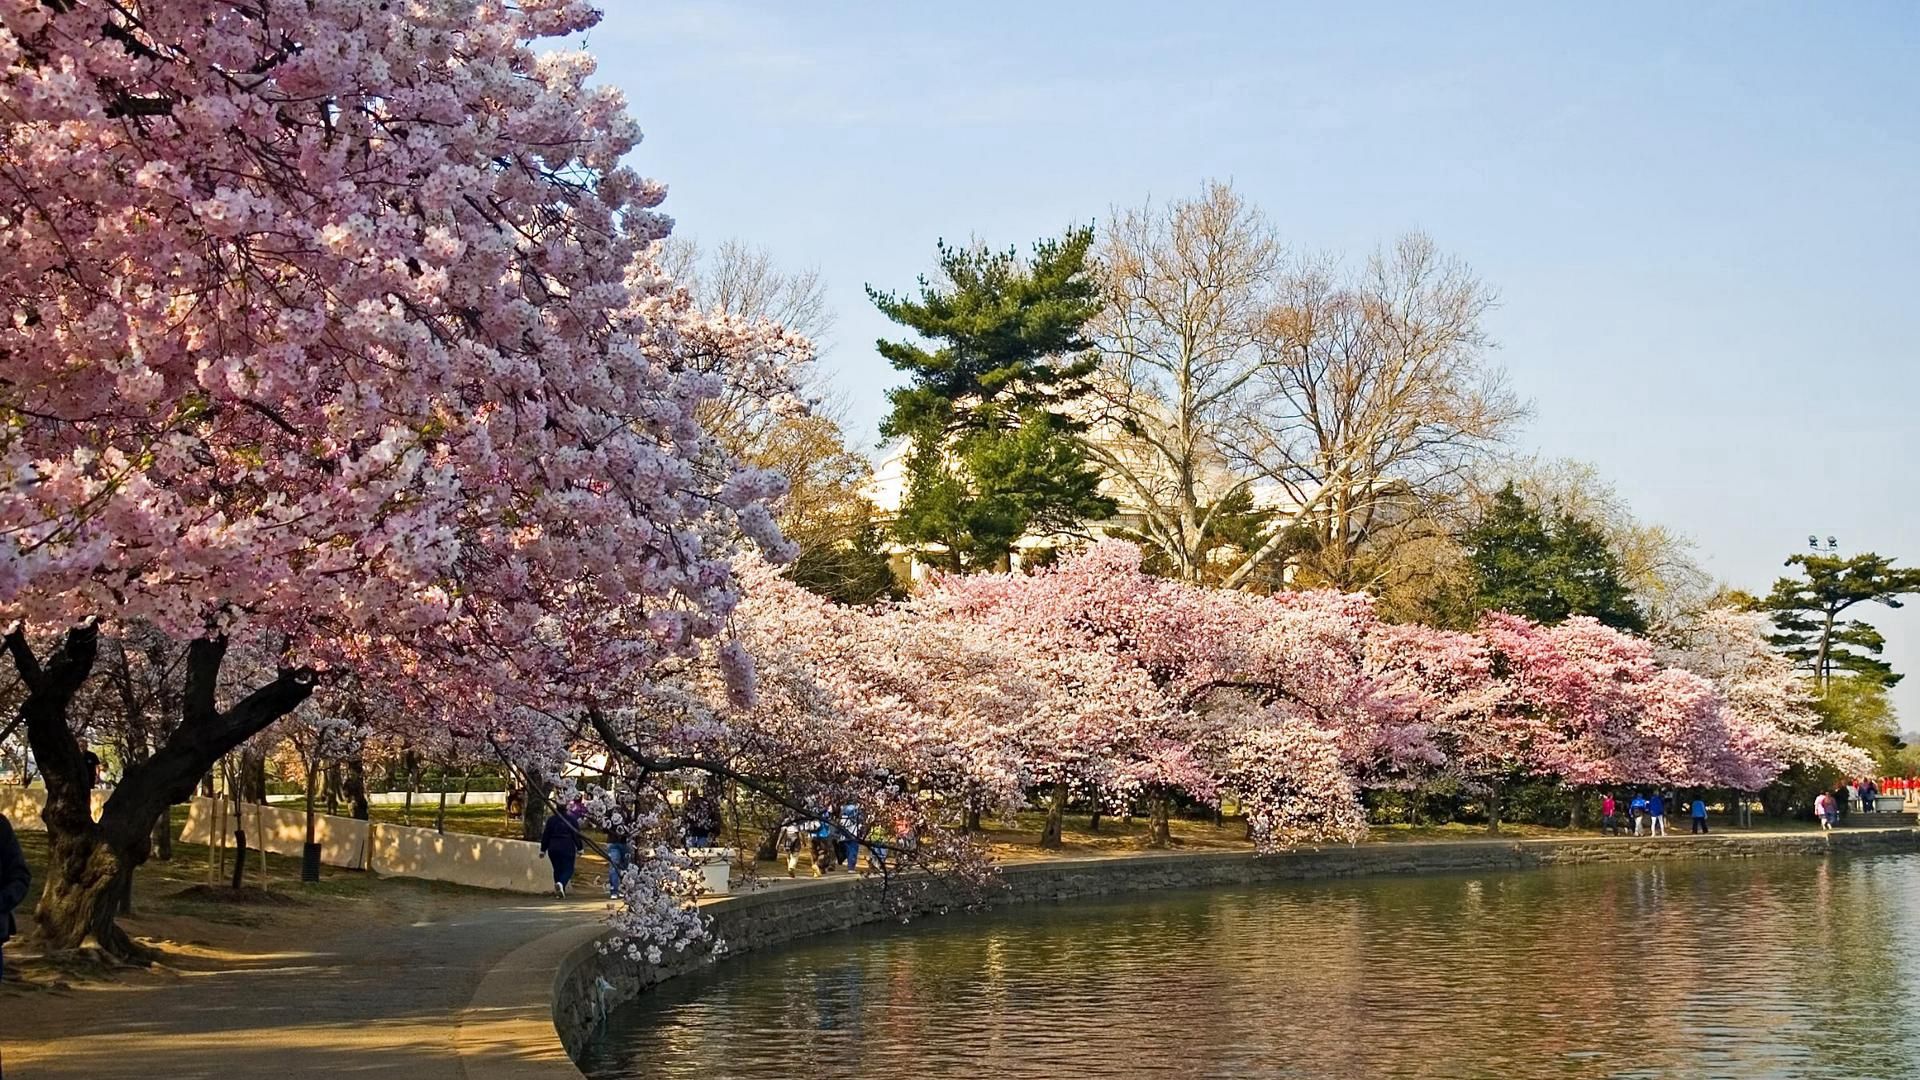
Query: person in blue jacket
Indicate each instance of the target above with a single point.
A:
(14, 879)
(1699, 809)
(560, 843)
(1657, 814)
(1638, 808)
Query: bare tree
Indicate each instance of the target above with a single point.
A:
(1378, 401)
(743, 280)
(823, 510)
(1236, 382)
(1190, 287)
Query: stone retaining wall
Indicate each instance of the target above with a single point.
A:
(756, 920)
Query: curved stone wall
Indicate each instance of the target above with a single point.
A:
(756, 920)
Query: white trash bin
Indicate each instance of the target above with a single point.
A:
(716, 869)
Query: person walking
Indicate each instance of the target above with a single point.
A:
(1609, 819)
(619, 845)
(826, 852)
(850, 823)
(15, 877)
(1638, 808)
(1869, 791)
(1699, 815)
(560, 843)
(1823, 810)
(703, 819)
(1657, 815)
(790, 835)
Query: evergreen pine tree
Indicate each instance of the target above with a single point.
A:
(995, 452)
(1807, 614)
(1547, 566)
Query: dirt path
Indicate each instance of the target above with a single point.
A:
(375, 1000)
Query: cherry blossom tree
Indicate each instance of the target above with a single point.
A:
(1222, 664)
(1597, 706)
(1768, 705)
(327, 325)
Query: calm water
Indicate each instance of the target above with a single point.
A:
(1770, 968)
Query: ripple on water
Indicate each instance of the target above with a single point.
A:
(1767, 968)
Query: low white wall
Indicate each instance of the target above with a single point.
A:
(22, 806)
(282, 831)
(484, 862)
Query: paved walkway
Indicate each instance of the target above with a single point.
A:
(380, 1003)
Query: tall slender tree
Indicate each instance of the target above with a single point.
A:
(1808, 614)
(987, 404)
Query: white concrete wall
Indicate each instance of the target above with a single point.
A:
(282, 831)
(22, 806)
(485, 862)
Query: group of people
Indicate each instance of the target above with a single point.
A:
(562, 839)
(832, 844)
(1829, 805)
(1647, 813)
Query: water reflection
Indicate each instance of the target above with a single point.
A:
(1762, 968)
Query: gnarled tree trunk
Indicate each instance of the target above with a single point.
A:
(356, 785)
(1162, 820)
(533, 812)
(1056, 817)
(91, 862)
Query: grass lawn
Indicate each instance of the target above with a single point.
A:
(477, 818)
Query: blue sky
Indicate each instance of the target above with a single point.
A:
(1701, 218)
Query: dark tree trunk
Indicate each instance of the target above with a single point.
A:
(123, 888)
(440, 817)
(972, 822)
(533, 812)
(466, 786)
(356, 785)
(163, 838)
(1162, 821)
(239, 855)
(333, 787)
(87, 858)
(313, 777)
(1493, 808)
(1056, 817)
(410, 767)
(1093, 823)
(1578, 819)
